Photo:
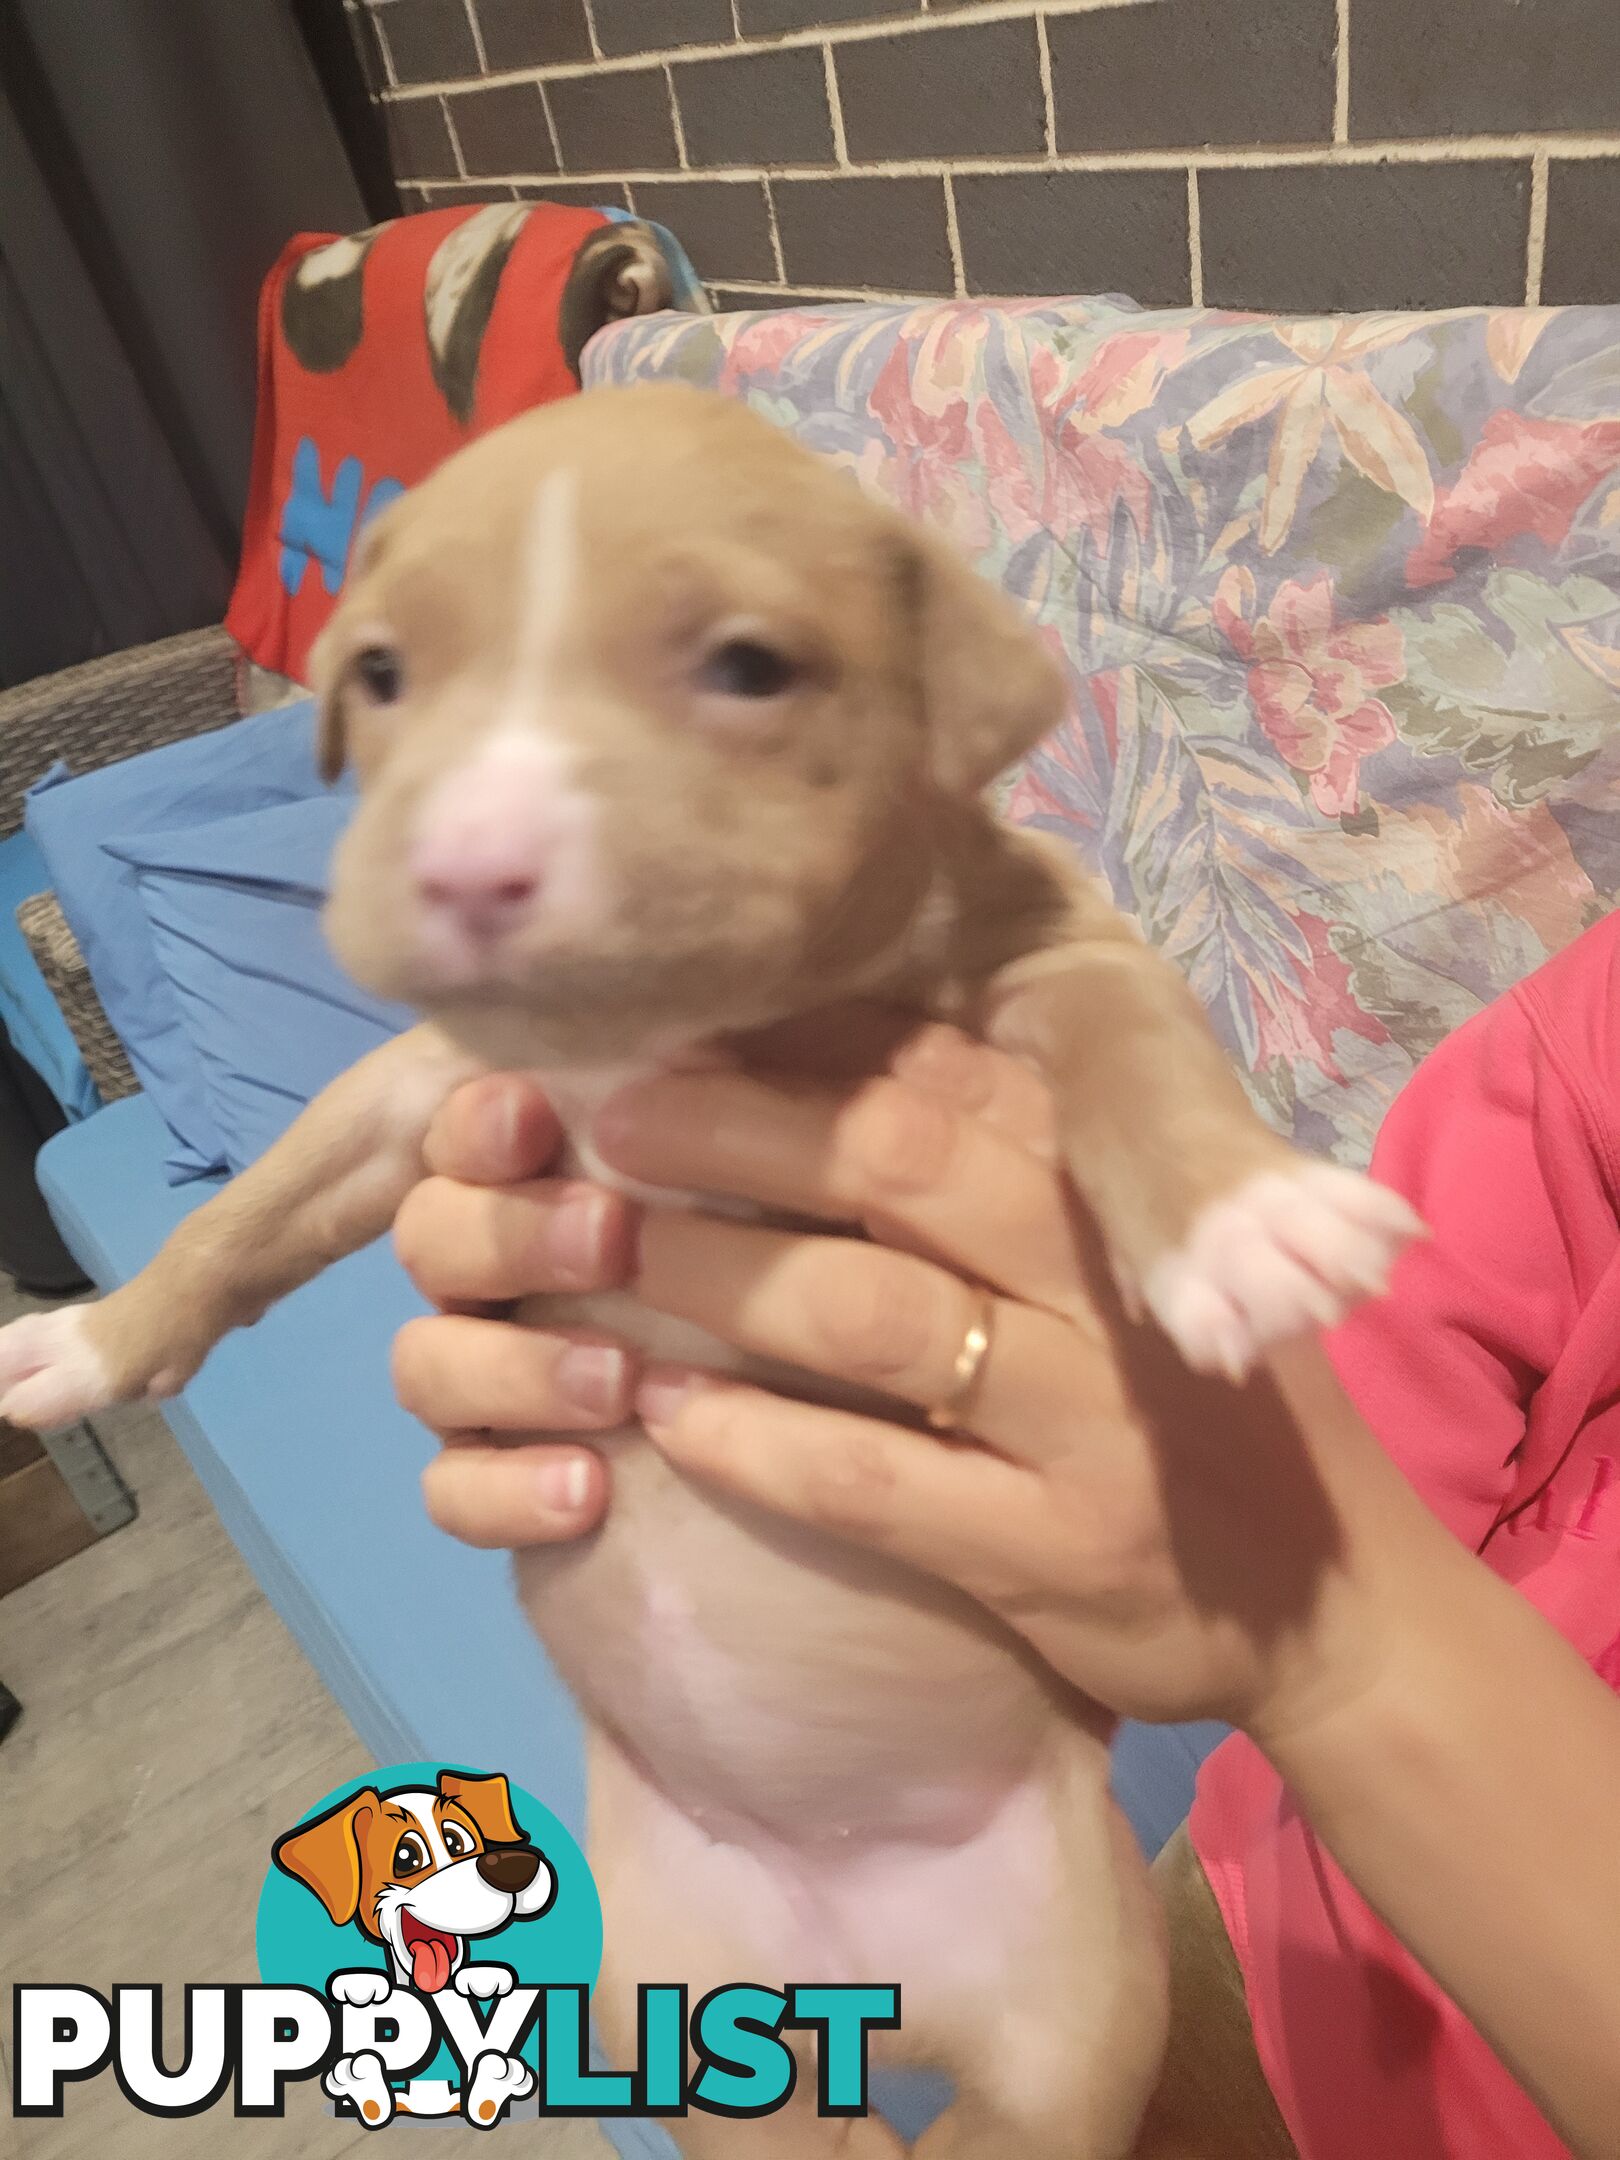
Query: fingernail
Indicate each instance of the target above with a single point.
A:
(592, 1377)
(660, 1396)
(499, 1118)
(564, 1485)
(577, 1235)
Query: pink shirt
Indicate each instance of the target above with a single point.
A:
(1492, 1375)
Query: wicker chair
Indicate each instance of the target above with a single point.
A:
(92, 715)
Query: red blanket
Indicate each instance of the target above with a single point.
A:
(379, 354)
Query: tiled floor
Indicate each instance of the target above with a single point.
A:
(170, 1728)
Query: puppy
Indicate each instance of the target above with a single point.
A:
(665, 732)
(423, 1872)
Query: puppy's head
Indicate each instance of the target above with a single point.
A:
(422, 1870)
(655, 719)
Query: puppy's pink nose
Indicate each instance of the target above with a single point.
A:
(477, 875)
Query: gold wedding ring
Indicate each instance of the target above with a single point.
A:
(947, 1414)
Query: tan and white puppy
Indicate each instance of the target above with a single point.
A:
(665, 732)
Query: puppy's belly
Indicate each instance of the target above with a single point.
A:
(767, 1679)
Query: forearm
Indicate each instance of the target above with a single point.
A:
(1467, 1781)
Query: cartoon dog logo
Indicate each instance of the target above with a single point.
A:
(423, 1871)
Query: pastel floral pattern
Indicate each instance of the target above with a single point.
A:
(1340, 603)
(1311, 682)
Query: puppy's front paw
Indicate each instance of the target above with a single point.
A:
(51, 1371)
(497, 2081)
(487, 1982)
(361, 1988)
(359, 2079)
(1288, 1250)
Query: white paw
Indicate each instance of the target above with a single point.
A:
(1288, 1251)
(50, 1370)
(488, 1982)
(497, 2081)
(361, 1988)
(359, 2078)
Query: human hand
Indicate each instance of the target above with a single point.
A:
(1170, 1544)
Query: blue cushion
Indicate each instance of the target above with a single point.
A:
(267, 759)
(32, 1017)
(234, 911)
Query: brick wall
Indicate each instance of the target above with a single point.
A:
(1289, 154)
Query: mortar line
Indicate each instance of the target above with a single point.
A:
(590, 29)
(675, 117)
(1341, 75)
(551, 126)
(953, 233)
(1044, 50)
(1195, 239)
(1535, 254)
(835, 106)
(477, 29)
(455, 139)
(776, 237)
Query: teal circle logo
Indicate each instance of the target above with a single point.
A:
(435, 1880)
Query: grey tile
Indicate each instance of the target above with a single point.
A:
(1189, 72)
(972, 90)
(430, 40)
(1331, 238)
(585, 194)
(1583, 232)
(451, 194)
(1458, 67)
(419, 141)
(632, 26)
(532, 33)
(763, 108)
(768, 18)
(614, 121)
(731, 302)
(1076, 233)
(886, 233)
(502, 130)
(722, 224)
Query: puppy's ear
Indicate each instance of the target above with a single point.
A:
(488, 1800)
(989, 688)
(324, 1855)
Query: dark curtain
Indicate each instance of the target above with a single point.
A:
(155, 155)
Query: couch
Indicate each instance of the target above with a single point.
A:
(1340, 606)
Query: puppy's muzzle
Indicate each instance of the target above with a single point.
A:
(512, 1869)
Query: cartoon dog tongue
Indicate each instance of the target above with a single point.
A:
(430, 1954)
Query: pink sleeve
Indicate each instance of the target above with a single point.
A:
(1488, 1143)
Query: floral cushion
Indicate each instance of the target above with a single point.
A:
(1340, 599)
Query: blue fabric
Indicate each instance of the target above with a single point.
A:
(32, 1017)
(234, 913)
(254, 763)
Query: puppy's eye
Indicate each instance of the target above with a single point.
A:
(746, 668)
(380, 672)
(456, 1840)
(410, 1855)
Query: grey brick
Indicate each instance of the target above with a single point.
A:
(888, 233)
(430, 40)
(769, 18)
(1191, 72)
(532, 33)
(1583, 232)
(632, 26)
(967, 91)
(761, 108)
(1076, 233)
(722, 224)
(1493, 67)
(503, 129)
(613, 121)
(1323, 239)
(418, 140)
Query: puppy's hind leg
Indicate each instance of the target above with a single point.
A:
(332, 1183)
(1061, 2052)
